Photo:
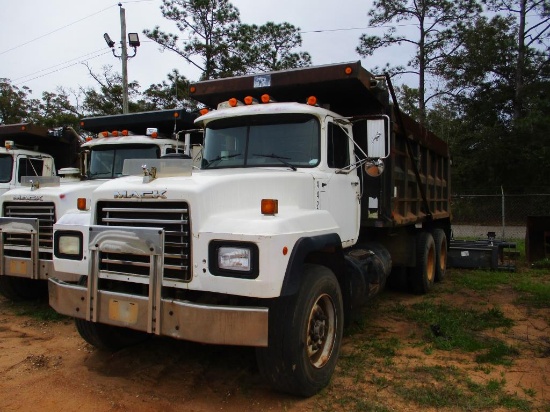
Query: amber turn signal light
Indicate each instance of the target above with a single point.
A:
(270, 206)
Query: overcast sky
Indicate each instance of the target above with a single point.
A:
(44, 42)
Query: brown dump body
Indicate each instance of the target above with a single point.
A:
(62, 143)
(396, 198)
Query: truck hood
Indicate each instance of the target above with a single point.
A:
(219, 194)
(64, 195)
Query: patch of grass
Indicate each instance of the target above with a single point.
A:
(482, 280)
(461, 394)
(541, 264)
(37, 310)
(535, 291)
(449, 327)
(498, 354)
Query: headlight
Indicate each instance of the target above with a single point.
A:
(68, 245)
(233, 259)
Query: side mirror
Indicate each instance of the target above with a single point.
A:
(378, 137)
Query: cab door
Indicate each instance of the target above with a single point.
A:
(338, 189)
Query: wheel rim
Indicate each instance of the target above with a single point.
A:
(443, 256)
(321, 332)
(430, 264)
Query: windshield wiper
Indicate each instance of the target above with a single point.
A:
(279, 158)
(218, 159)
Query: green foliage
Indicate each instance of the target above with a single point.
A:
(14, 103)
(219, 45)
(437, 22)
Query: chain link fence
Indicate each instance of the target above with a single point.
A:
(474, 216)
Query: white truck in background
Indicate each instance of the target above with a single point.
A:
(27, 149)
(28, 213)
(313, 188)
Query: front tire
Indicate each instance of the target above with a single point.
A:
(19, 289)
(305, 333)
(107, 337)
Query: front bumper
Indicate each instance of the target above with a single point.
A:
(224, 325)
(28, 265)
(181, 319)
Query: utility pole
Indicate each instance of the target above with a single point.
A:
(124, 59)
(133, 40)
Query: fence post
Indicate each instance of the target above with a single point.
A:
(503, 214)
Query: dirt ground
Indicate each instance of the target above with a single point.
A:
(46, 366)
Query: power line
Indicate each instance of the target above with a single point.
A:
(62, 68)
(357, 28)
(59, 64)
(56, 30)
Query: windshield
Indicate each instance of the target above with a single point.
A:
(285, 140)
(106, 162)
(6, 162)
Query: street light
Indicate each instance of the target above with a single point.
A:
(133, 41)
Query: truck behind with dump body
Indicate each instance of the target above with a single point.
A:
(313, 188)
(31, 150)
(29, 212)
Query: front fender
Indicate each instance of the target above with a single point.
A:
(324, 248)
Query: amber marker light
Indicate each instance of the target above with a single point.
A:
(312, 100)
(266, 98)
(270, 206)
(81, 124)
(348, 70)
(248, 100)
(81, 203)
(23, 128)
(88, 138)
(114, 133)
(232, 102)
(176, 115)
(192, 89)
(124, 133)
(105, 134)
(204, 111)
(285, 251)
(154, 135)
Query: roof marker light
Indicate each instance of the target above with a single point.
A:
(124, 133)
(203, 111)
(233, 102)
(192, 89)
(176, 115)
(248, 100)
(105, 134)
(266, 98)
(312, 100)
(348, 70)
(114, 133)
(88, 138)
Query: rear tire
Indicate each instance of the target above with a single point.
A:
(305, 333)
(19, 289)
(440, 240)
(423, 276)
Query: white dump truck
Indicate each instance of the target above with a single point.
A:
(30, 150)
(313, 188)
(29, 212)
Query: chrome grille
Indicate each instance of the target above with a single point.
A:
(45, 213)
(173, 217)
